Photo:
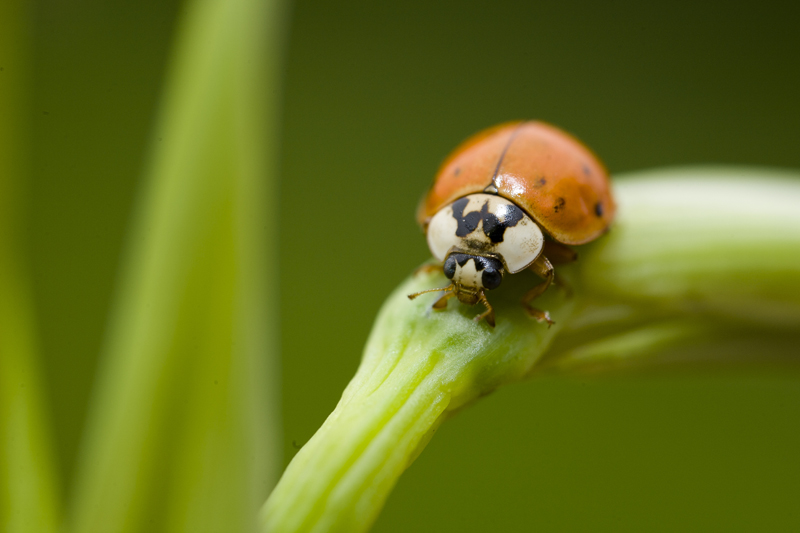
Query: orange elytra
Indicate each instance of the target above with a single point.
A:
(496, 197)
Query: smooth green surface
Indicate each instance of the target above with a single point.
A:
(182, 432)
(29, 489)
(96, 75)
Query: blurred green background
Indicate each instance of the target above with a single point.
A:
(375, 96)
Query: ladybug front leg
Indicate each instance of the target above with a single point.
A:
(488, 315)
(560, 254)
(544, 269)
(441, 303)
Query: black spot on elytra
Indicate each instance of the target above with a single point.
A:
(559, 204)
(586, 170)
(598, 209)
(541, 182)
(493, 227)
(457, 171)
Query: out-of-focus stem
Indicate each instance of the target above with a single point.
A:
(28, 482)
(183, 433)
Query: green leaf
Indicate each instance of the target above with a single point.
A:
(29, 499)
(183, 429)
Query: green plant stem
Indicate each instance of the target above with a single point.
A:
(673, 272)
(28, 484)
(183, 430)
(29, 495)
(418, 367)
(696, 254)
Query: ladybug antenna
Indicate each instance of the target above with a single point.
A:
(445, 289)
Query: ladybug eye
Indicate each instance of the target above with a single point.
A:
(450, 267)
(491, 278)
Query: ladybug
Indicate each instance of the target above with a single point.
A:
(510, 198)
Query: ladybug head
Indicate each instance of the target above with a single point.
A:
(472, 273)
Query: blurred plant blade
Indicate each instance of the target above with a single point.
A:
(182, 432)
(695, 257)
(28, 487)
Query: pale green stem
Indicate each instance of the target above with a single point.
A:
(29, 498)
(693, 254)
(696, 254)
(418, 367)
(183, 432)
(28, 484)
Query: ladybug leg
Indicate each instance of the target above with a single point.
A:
(560, 254)
(544, 269)
(428, 268)
(441, 303)
(488, 314)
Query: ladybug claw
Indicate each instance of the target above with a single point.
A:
(539, 315)
(488, 315)
(441, 303)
